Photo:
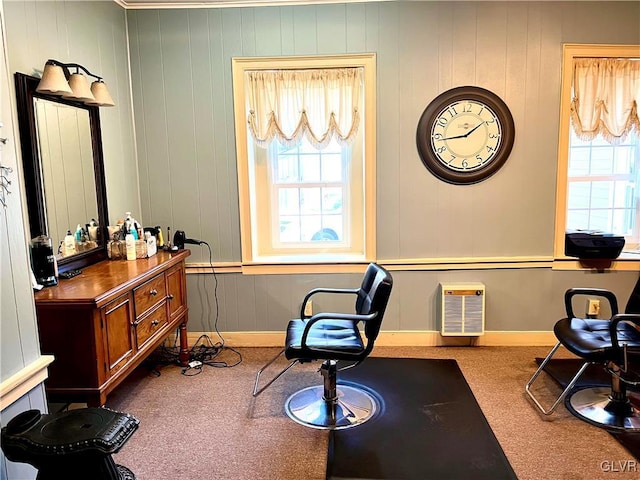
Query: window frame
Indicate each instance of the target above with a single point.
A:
(368, 125)
(569, 53)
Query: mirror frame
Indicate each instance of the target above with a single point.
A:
(25, 94)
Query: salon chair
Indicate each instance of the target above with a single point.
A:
(334, 337)
(612, 343)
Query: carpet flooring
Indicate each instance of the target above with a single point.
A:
(563, 369)
(430, 427)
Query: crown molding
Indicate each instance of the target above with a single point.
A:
(176, 4)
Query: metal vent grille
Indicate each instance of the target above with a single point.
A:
(462, 309)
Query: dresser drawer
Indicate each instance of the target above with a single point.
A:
(149, 324)
(149, 294)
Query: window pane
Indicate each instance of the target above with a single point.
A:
(287, 168)
(623, 197)
(289, 229)
(332, 167)
(579, 162)
(602, 161)
(288, 201)
(600, 220)
(601, 194)
(578, 220)
(624, 160)
(310, 201)
(309, 226)
(332, 227)
(332, 200)
(579, 194)
(622, 222)
(310, 168)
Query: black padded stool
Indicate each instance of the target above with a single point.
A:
(74, 445)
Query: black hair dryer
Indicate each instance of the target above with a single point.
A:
(180, 238)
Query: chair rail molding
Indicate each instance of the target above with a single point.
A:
(22, 382)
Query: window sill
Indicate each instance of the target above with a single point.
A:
(627, 261)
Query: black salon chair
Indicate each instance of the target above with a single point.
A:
(614, 344)
(334, 337)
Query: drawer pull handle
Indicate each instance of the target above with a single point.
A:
(170, 296)
(154, 323)
(153, 292)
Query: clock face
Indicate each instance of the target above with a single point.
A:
(465, 135)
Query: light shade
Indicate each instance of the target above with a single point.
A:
(79, 89)
(102, 97)
(53, 81)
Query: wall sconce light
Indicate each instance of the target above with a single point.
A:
(58, 80)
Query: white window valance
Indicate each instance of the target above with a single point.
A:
(320, 104)
(606, 93)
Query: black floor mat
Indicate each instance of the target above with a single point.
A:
(563, 369)
(431, 427)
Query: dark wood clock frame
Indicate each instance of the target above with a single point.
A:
(425, 125)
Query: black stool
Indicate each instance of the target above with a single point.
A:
(74, 445)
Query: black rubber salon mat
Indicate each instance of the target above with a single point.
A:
(562, 371)
(430, 427)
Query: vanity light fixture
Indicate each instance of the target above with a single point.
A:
(58, 80)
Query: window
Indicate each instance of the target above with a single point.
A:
(602, 181)
(599, 146)
(306, 196)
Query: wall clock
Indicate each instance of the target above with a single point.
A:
(465, 135)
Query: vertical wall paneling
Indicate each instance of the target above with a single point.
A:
(355, 37)
(183, 104)
(390, 71)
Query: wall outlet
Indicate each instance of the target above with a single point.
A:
(308, 309)
(593, 308)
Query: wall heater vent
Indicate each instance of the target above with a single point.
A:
(461, 309)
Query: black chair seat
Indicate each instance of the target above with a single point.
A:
(333, 339)
(590, 339)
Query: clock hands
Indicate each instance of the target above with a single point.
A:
(465, 134)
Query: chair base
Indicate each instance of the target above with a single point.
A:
(595, 406)
(353, 407)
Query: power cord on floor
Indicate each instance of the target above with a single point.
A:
(204, 351)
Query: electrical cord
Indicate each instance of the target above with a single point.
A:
(204, 351)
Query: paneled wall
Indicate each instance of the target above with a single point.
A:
(182, 92)
(94, 35)
(19, 348)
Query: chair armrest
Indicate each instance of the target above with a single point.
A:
(324, 290)
(622, 317)
(599, 292)
(332, 316)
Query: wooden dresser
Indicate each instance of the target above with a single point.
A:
(102, 323)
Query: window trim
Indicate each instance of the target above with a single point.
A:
(239, 66)
(569, 53)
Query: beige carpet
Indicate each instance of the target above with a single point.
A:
(208, 426)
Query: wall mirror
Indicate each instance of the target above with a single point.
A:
(64, 173)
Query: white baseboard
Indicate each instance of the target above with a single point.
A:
(426, 338)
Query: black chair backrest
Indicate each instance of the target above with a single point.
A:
(633, 305)
(373, 296)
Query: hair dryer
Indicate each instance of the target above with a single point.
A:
(180, 238)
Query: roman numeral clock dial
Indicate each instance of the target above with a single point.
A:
(465, 135)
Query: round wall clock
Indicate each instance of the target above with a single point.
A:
(465, 135)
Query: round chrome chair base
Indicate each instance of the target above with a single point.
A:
(593, 405)
(353, 407)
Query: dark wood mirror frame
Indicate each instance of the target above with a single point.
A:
(25, 94)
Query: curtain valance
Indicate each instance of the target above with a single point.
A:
(320, 104)
(606, 92)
